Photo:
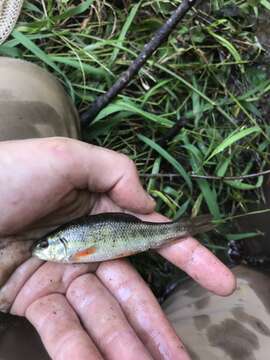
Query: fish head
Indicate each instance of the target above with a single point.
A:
(51, 248)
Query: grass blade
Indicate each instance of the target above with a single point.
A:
(131, 108)
(76, 10)
(232, 138)
(124, 31)
(178, 167)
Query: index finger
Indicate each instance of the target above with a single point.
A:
(198, 262)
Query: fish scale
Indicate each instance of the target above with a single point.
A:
(113, 235)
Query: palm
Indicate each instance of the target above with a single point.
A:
(76, 308)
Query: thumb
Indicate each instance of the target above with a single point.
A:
(103, 170)
(128, 191)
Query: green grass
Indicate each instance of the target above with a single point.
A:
(211, 74)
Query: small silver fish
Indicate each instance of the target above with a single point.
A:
(113, 235)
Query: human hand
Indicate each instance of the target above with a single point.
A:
(85, 311)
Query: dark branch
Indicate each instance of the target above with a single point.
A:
(159, 37)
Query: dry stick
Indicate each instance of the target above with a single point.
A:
(240, 177)
(208, 177)
(159, 37)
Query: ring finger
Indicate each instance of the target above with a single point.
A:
(60, 329)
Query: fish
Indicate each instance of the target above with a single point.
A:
(108, 236)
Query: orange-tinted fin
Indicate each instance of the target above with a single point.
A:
(84, 253)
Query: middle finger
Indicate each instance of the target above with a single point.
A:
(104, 320)
(142, 310)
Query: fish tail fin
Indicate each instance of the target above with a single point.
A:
(184, 227)
(199, 224)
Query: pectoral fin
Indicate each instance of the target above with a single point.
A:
(83, 254)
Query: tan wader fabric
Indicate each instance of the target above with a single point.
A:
(231, 328)
(33, 104)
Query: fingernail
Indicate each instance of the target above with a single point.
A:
(151, 199)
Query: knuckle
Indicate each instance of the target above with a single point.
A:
(59, 146)
(62, 153)
(81, 282)
(193, 255)
(129, 164)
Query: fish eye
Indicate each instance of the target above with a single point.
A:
(43, 244)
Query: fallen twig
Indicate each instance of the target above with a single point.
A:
(207, 177)
(159, 37)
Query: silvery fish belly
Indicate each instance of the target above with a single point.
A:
(113, 235)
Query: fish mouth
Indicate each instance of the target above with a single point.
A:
(34, 246)
(38, 254)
